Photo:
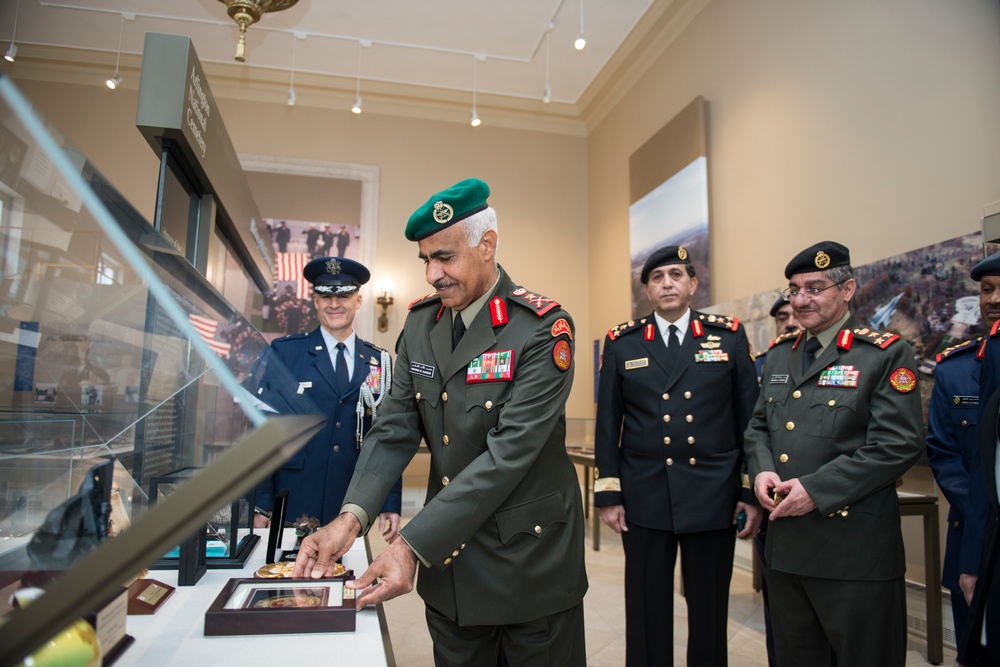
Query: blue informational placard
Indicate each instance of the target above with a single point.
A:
(27, 345)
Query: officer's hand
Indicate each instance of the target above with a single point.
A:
(795, 501)
(614, 516)
(388, 525)
(967, 582)
(395, 569)
(319, 551)
(754, 515)
(261, 521)
(763, 488)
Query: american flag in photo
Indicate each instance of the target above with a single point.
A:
(290, 265)
(206, 328)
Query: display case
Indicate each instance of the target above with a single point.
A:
(113, 348)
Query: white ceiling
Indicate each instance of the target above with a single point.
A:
(440, 44)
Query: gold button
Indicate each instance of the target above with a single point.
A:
(831, 402)
(444, 396)
(692, 461)
(783, 458)
(687, 394)
(956, 524)
(831, 515)
(965, 423)
(445, 440)
(666, 397)
(666, 418)
(489, 405)
(444, 481)
(796, 394)
(463, 546)
(690, 439)
(447, 561)
(843, 512)
(417, 396)
(770, 399)
(666, 441)
(454, 554)
(689, 419)
(790, 426)
(538, 530)
(670, 462)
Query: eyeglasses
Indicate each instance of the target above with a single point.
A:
(791, 292)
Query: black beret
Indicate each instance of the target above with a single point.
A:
(778, 304)
(335, 275)
(447, 207)
(671, 254)
(820, 257)
(987, 267)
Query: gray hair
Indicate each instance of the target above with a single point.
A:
(839, 274)
(477, 224)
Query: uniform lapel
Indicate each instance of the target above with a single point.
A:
(686, 355)
(441, 337)
(362, 355)
(657, 348)
(321, 358)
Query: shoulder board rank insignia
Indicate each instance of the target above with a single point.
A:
(786, 337)
(844, 339)
(421, 300)
(618, 330)
(966, 345)
(535, 302)
(877, 338)
(723, 321)
(498, 311)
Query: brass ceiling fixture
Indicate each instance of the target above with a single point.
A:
(248, 12)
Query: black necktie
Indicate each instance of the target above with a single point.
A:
(459, 328)
(341, 375)
(673, 344)
(809, 353)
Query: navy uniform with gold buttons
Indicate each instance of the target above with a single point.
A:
(828, 439)
(668, 449)
(317, 476)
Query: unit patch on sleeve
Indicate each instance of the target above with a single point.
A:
(561, 327)
(562, 355)
(903, 380)
(495, 366)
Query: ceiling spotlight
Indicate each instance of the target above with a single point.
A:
(475, 116)
(475, 122)
(357, 105)
(291, 81)
(291, 97)
(11, 52)
(547, 96)
(115, 81)
(581, 42)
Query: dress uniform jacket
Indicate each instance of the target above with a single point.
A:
(669, 442)
(953, 454)
(317, 475)
(847, 429)
(502, 526)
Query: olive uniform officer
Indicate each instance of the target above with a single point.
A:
(486, 370)
(668, 450)
(953, 449)
(345, 377)
(830, 435)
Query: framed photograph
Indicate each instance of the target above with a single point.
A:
(284, 606)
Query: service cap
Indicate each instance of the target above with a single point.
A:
(777, 305)
(336, 275)
(987, 267)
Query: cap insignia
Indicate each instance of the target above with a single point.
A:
(822, 260)
(442, 212)
(333, 267)
(682, 254)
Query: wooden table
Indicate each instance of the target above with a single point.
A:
(585, 457)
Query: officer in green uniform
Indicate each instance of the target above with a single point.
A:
(484, 368)
(838, 421)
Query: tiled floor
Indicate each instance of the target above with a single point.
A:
(605, 617)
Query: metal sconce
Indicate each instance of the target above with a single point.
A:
(385, 300)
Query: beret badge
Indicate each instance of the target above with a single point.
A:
(442, 212)
(682, 254)
(822, 260)
(332, 267)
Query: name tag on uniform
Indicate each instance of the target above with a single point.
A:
(710, 356)
(965, 400)
(423, 370)
(496, 366)
(839, 376)
(636, 363)
(303, 386)
(778, 379)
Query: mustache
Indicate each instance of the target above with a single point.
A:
(442, 284)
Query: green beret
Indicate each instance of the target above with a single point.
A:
(447, 207)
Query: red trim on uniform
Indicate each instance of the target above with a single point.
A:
(994, 329)
(419, 299)
(440, 311)
(798, 339)
(736, 324)
(845, 339)
(697, 329)
(498, 311)
(611, 333)
(889, 342)
(650, 329)
(981, 353)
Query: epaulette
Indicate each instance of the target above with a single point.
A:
(425, 299)
(619, 330)
(881, 339)
(295, 336)
(722, 321)
(536, 303)
(954, 350)
(785, 338)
